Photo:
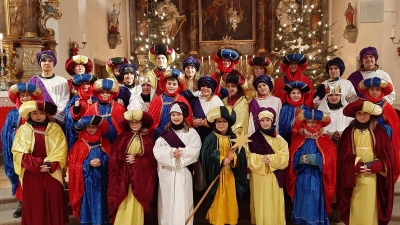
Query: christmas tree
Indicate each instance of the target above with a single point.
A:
(305, 33)
(154, 35)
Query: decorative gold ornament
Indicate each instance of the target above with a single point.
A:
(241, 140)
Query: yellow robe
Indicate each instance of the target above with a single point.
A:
(267, 204)
(363, 206)
(130, 211)
(56, 148)
(224, 208)
(241, 108)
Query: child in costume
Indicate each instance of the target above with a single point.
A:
(177, 148)
(78, 105)
(105, 90)
(256, 67)
(162, 56)
(333, 104)
(268, 156)
(88, 170)
(365, 168)
(191, 68)
(311, 178)
(54, 87)
(293, 66)
(375, 89)
(18, 94)
(264, 86)
(132, 171)
(236, 84)
(142, 95)
(40, 154)
(335, 69)
(296, 92)
(160, 106)
(113, 67)
(129, 73)
(222, 163)
(77, 64)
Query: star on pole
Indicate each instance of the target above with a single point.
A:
(240, 141)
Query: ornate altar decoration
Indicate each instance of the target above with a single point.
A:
(26, 34)
(171, 20)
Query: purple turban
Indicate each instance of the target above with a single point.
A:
(368, 51)
(207, 81)
(190, 61)
(263, 79)
(46, 54)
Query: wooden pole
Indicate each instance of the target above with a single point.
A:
(201, 200)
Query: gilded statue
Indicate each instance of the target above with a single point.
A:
(172, 21)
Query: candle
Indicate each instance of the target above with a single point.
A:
(83, 37)
(202, 63)
(393, 33)
(209, 64)
(241, 62)
(246, 58)
(1, 43)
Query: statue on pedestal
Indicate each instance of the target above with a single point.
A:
(350, 33)
(113, 22)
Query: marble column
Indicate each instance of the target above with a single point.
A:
(194, 27)
(261, 22)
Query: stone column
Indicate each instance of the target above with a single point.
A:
(194, 27)
(261, 16)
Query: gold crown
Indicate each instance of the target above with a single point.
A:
(332, 89)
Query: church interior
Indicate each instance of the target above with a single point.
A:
(102, 29)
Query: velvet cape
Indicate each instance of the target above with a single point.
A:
(117, 110)
(329, 158)
(383, 150)
(78, 154)
(141, 174)
(210, 160)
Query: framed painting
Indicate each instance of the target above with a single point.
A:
(221, 18)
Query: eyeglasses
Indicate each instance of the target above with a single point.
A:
(221, 122)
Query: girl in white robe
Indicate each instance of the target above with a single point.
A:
(177, 147)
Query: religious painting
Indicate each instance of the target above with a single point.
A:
(220, 18)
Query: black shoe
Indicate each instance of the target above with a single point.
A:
(18, 212)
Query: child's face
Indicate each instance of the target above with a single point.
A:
(129, 78)
(161, 61)
(263, 89)
(146, 88)
(295, 95)
(116, 70)
(24, 96)
(221, 125)
(91, 129)
(362, 117)
(135, 125)
(293, 67)
(375, 92)
(176, 118)
(333, 98)
(369, 61)
(47, 64)
(79, 69)
(227, 63)
(172, 85)
(232, 88)
(311, 123)
(86, 87)
(266, 123)
(190, 71)
(38, 116)
(205, 91)
(105, 95)
(258, 70)
(334, 71)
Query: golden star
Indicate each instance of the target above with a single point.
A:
(240, 141)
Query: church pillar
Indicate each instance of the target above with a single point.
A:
(261, 25)
(194, 27)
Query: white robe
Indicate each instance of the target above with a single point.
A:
(384, 76)
(339, 122)
(269, 101)
(136, 101)
(175, 193)
(214, 102)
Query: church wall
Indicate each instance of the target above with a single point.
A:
(369, 34)
(91, 18)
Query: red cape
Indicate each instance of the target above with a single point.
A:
(383, 150)
(390, 116)
(117, 110)
(141, 174)
(157, 104)
(78, 154)
(280, 84)
(329, 159)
